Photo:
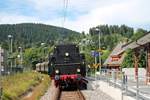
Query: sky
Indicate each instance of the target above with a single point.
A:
(81, 14)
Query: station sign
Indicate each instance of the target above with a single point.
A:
(94, 53)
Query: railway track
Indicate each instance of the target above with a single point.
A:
(71, 95)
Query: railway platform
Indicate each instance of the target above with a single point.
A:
(124, 91)
(114, 92)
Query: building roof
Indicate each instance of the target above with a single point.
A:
(136, 44)
(121, 47)
(109, 62)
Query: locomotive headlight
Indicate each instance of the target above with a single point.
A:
(78, 70)
(83, 62)
(56, 71)
(66, 54)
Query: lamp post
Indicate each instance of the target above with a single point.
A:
(11, 40)
(21, 57)
(43, 52)
(10, 37)
(99, 42)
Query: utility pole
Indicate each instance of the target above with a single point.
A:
(99, 52)
(99, 46)
(10, 51)
(95, 67)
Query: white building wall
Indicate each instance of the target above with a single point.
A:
(130, 72)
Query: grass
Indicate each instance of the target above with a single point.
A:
(16, 85)
(40, 89)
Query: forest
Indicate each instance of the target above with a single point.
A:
(30, 36)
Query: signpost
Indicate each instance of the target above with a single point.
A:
(95, 54)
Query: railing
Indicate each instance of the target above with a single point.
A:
(137, 86)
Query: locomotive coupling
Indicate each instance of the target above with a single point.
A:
(57, 77)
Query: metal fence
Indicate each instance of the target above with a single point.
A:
(135, 86)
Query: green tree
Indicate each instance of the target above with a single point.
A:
(139, 33)
(105, 54)
(128, 61)
(142, 59)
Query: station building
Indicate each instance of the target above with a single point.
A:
(136, 46)
(115, 60)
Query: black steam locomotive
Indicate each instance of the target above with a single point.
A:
(67, 65)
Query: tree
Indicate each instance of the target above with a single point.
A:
(128, 61)
(142, 59)
(139, 33)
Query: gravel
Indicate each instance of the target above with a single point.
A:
(96, 95)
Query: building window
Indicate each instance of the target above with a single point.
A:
(114, 59)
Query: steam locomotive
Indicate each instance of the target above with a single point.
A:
(67, 65)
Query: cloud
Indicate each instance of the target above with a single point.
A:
(78, 5)
(42, 5)
(82, 14)
(133, 13)
(6, 18)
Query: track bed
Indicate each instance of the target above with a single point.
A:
(71, 95)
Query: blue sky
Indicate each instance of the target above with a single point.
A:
(81, 14)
